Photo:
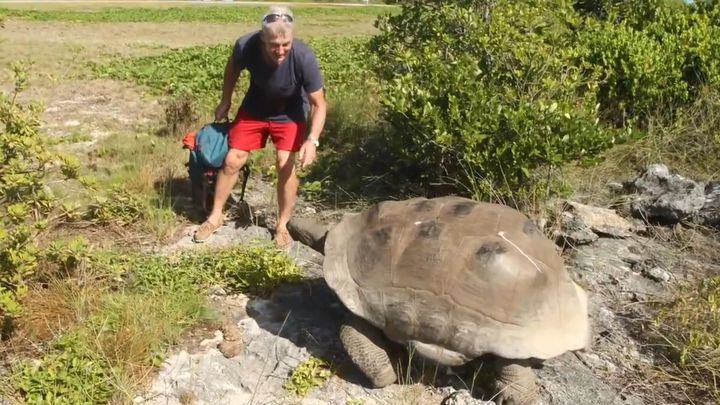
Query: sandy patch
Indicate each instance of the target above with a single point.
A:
(95, 109)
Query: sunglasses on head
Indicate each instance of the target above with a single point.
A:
(271, 18)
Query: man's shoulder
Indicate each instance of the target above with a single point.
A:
(302, 49)
(249, 38)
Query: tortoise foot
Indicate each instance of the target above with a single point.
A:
(367, 350)
(516, 385)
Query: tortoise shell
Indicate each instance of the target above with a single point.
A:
(462, 275)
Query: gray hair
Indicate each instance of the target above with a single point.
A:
(281, 26)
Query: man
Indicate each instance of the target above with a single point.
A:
(284, 79)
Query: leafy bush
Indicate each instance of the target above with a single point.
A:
(68, 375)
(654, 56)
(25, 199)
(489, 110)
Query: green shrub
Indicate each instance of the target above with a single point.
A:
(67, 375)
(120, 207)
(25, 199)
(254, 268)
(489, 110)
(655, 55)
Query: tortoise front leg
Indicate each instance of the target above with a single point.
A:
(366, 347)
(515, 384)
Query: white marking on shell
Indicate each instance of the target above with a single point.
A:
(502, 235)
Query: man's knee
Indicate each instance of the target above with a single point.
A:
(285, 163)
(235, 160)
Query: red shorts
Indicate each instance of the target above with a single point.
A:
(248, 133)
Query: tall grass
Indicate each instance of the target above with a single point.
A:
(689, 328)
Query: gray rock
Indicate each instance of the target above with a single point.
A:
(227, 235)
(565, 380)
(665, 197)
(615, 187)
(573, 231)
(657, 274)
(463, 397)
(581, 224)
(602, 221)
(710, 212)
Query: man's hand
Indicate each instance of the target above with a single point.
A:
(221, 112)
(307, 154)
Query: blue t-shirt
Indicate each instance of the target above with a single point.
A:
(277, 93)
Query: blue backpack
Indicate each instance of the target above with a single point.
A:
(207, 151)
(211, 144)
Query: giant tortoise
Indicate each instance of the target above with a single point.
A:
(453, 279)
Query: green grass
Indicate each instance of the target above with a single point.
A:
(137, 185)
(75, 137)
(689, 331)
(106, 349)
(215, 14)
(199, 70)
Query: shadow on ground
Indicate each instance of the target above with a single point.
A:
(178, 191)
(309, 315)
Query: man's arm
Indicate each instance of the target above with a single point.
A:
(318, 111)
(229, 81)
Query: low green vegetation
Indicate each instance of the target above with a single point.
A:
(198, 71)
(205, 13)
(107, 348)
(307, 375)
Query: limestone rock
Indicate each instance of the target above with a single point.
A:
(665, 197)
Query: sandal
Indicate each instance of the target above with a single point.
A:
(205, 231)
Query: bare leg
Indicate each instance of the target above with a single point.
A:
(287, 188)
(226, 179)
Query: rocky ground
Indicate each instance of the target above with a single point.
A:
(623, 262)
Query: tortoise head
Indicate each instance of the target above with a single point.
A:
(309, 232)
